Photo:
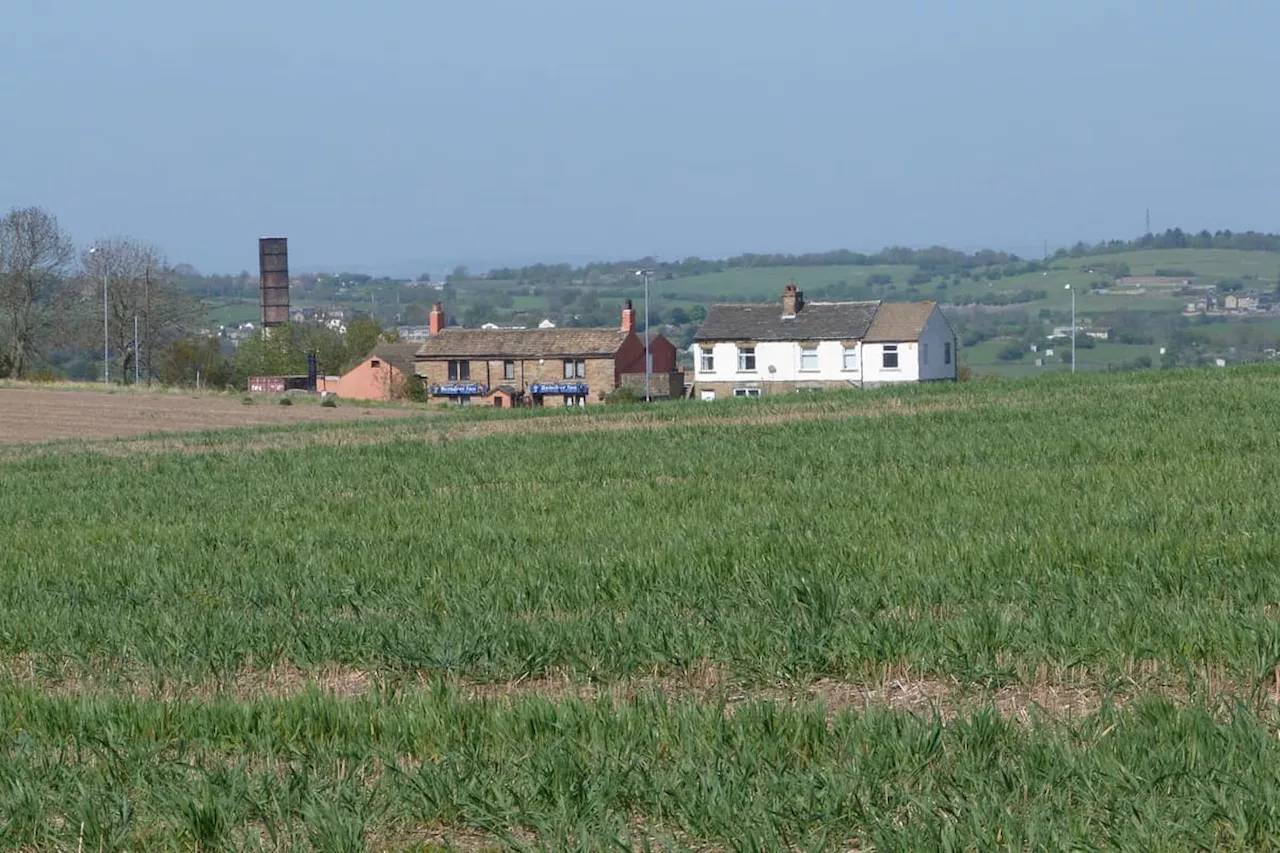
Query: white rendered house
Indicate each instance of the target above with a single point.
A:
(751, 349)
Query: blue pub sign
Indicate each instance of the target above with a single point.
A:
(577, 389)
(460, 389)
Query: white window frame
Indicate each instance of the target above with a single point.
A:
(745, 353)
(849, 354)
(707, 360)
(575, 368)
(508, 370)
(459, 370)
(810, 353)
(890, 350)
(746, 392)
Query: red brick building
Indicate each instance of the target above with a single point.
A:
(381, 376)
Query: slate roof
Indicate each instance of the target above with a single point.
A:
(522, 343)
(899, 321)
(399, 356)
(873, 322)
(816, 321)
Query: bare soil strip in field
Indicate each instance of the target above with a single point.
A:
(29, 415)
(417, 425)
(1068, 696)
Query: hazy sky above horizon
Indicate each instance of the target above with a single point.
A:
(399, 134)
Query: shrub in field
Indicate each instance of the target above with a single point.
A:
(329, 402)
(247, 400)
(623, 395)
(285, 401)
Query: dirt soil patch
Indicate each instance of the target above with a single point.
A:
(30, 415)
(1067, 697)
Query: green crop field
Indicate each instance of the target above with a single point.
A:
(1011, 615)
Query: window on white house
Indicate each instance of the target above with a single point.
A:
(890, 356)
(924, 353)
(747, 360)
(508, 370)
(459, 371)
(809, 358)
(708, 360)
(946, 353)
(574, 368)
(850, 358)
(746, 392)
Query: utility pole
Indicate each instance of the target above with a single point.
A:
(146, 318)
(106, 357)
(1073, 327)
(645, 273)
(137, 354)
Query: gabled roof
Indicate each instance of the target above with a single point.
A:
(400, 356)
(522, 343)
(899, 321)
(815, 321)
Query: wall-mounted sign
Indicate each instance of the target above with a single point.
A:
(460, 389)
(558, 388)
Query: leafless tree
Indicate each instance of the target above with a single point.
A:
(35, 256)
(140, 287)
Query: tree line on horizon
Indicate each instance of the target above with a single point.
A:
(933, 261)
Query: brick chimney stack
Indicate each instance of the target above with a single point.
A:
(436, 320)
(792, 300)
(628, 316)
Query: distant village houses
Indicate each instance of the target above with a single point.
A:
(1100, 333)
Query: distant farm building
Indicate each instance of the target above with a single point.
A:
(1155, 281)
(382, 375)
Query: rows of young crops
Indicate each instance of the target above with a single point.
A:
(1114, 531)
(324, 774)
(1121, 523)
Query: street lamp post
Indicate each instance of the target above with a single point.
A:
(645, 273)
(1073, 327)
(106, 351)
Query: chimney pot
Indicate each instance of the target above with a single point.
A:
(792, 300)
(628, 316)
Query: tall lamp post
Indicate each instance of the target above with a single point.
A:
(1073, 327)
(645, 273)
(106, 356)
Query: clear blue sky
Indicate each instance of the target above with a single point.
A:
(394, 134)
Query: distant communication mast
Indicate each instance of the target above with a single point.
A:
(273, 266)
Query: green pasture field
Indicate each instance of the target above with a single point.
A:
(231, 312)
(1035, 614)
(984, 358)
